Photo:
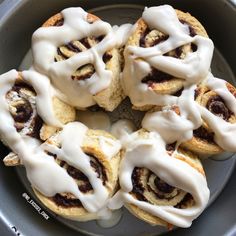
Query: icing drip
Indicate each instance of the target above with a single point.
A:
(171, 170)
(39, 167)
(46, 40)
(179, 127)
(121, 130)
(70, 151)
(114, 219)
(193, 68)
(42, 170)
(44, 91)
(175, 126)
(172, 125)
(109, 146)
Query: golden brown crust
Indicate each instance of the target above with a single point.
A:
(91, 145)
(202, 145)
(111, 97)
(58, 17)
(11, 160)
(63, 112)
(193, 22)
(53, 20)
(183, 155)
(170, 85)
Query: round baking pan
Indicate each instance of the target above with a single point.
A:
(20, 213)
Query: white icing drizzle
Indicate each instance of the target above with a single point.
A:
(40, 167)
(151, 153)
(70, 151)
(112, 221)
(42, 170)
(139, 93)
(110, 147)
(193, 68)
(165, 126)
(122, 33)
(173, 127)
(46, 40)
(225, 133)
(44, 91)
(121, 129)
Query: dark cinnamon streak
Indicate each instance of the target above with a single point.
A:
(70, 46)
(217, 106)
(204, 134)
(84, 184)
(106, 57)
(138, 188)
(188, 199)
(156, 76)
(162, 186)
(65, 202)
(171, 147)
(24, 112)
(59, 22)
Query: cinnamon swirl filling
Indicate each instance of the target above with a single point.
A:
(150, 38)
(150, 188)
(204, 134)
(67, 200)
(217, 106)
(22, 106)
(74, 47)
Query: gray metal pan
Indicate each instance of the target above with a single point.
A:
(18, 21)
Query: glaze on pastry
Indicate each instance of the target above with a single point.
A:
(75, 171)
(94, 168)
(30, 100)
(203, 138)
(80, 53)
(157, 187)
(167, 50)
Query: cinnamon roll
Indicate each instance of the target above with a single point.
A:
(23, 92)
(79, 52)
(94, 168)
(203, 141)
(160, 187)
(157, 56)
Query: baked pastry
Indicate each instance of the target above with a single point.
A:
(203, 141)
(95, 171)
(203, 119)
(75, 171)
(160, 188)
(80, 54)
(35, 110)
(166, 49)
